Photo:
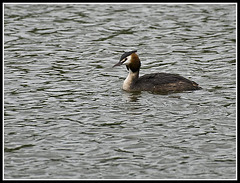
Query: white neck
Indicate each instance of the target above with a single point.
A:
(130, 80)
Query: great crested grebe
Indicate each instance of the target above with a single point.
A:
(156, 82)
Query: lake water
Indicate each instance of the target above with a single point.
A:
(66, 116)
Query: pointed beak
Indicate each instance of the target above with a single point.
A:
(118, 64)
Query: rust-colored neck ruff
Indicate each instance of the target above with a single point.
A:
(135, 63)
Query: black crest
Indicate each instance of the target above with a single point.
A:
(126, 54)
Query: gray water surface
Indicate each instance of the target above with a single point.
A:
(66, 116)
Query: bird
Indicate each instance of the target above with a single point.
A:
(156, 82)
